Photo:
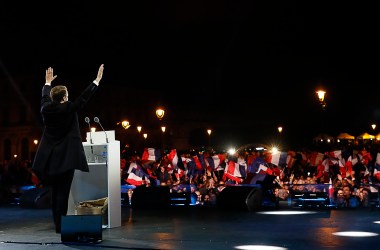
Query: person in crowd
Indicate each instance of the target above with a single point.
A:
(61, 150)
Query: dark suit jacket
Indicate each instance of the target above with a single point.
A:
(61, 147)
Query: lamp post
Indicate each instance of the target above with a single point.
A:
(321, 97)
(145, 137)
(209, 131)
(163, 129)
(139, 128)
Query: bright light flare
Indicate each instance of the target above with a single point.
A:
(231, 151)
(355, 234)
(289, 212)
(259, 247)
(275, 150)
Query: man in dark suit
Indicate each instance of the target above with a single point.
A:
(61, 150)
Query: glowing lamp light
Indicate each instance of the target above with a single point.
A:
(35, 142)
(279, 129)
(209, 131)
(145, 136)
(93, 129)
(139, 128)
(160, 113)
(321, 95)
(163, 128)
(125, 124)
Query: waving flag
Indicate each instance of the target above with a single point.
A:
(316, 158)
(132, 166)
(151, 154)
(336, 154)
(176, 160)
(278, 158)
(134, 180)
(213, 162)
(331, 191)
(198, 164)
(137, 177)
(264, 169)
(290, 159)
(232, 171)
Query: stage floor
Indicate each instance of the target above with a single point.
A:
(201, 228)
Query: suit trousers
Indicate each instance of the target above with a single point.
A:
(60, 186)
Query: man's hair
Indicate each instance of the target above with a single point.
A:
(58, 92)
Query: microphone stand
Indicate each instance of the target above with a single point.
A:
(96, 119)
(89, 127)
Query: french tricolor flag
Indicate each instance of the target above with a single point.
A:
(151, 154)
(132, 166)
(134, 179)
(232, 171)
(217, 160)
(290, 160)
(174, 158)
(316, 158)
(278, 158)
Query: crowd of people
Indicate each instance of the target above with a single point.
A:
(351, 171)
(349, 176)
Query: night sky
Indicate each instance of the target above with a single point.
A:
(245, 65)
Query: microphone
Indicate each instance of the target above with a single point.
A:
(87, 120)
(96, 119)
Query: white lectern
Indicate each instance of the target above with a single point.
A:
(103, 179)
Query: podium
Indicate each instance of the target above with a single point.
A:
(103, 179)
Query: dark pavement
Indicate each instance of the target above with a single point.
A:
(201, 228)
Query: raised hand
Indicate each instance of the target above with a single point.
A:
(49, 75)
(100, 73)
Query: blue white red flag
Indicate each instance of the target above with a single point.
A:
(151, 154)
(278, 158)
(232, 171)
(316, 158)
(176, 160)
(132, 165)
(134, 179)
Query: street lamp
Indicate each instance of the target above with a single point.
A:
(279, 129)
(321, 96)
(125, 124)
(139, 128)
(373, 126)
(163, 129)
(209, 132)
(160, 112)
(209, 137)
